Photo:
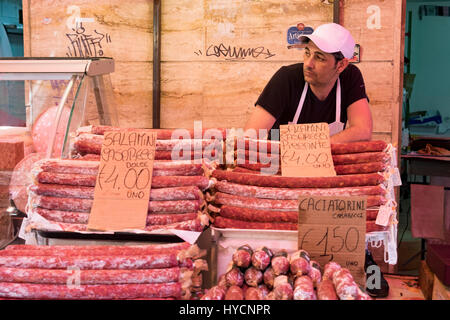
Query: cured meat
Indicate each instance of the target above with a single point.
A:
(59, 276)
(221, 222)
(92, 143)
(282, 288)
(270, 204)
(368, 167)
(201, 182)
(85, 205)
(358, 147)
(346, 287)
(164, 219)
(105, 249)
(234, 277)
(62, 191)
(255, 215)
(315, 273)
(234, 293)
(264, 290)
(294, 193)
(253, 293)
(261, 258)
(196, 224)
(299, 263)
(280, 263)
(368, 179)
(153, 261)
(359, 157)
(86, 292)
(326, 291)
(269, 277)
(66, 178)
(242, 257)
(304, 289)
(253, 277)
(245, 170)
(215, 293)
(62, 216)
(330, 269)
(371, 226)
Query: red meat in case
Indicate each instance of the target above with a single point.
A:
(261, 258)
(242, 257)
(280, 263)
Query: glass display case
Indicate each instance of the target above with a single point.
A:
(52, 97)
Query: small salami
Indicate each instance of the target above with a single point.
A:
(280, 263)
(326, 291)
(304, 289)
(315, 273)
(234, 277)
(261, 258)
(215, 293)
(253, 293)
(330, 269)
(300, 263)
(253, 277)
(346, 287)
(269, 277)
(242, 257)
(234, 293)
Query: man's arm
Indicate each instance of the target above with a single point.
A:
(359, 123)
(260, 119)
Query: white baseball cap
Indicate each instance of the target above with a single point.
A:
(332, 37)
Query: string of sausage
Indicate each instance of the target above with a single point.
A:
(222, 222)
(294, 193)
(271, 204)
(261, 215)
(162, 194)
(83, 217)
(201, 182)
(341, 169)
(351, 180)
(86, 292)
(92, 143)
(85, 205)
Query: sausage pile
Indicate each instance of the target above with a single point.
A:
(63, 193)
(264, 275)
(171, 144)
(247, 198)
(157, 271)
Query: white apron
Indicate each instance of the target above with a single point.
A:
(335, 127)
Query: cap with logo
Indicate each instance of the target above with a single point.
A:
(332, 37)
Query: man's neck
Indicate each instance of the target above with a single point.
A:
(322, 91)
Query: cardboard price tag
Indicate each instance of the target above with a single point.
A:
(306, 150)
(334, 229)
(122, 189)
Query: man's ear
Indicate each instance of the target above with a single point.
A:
(342, 65)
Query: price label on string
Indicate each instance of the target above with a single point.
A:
(122, 189)
(334, 229)
(305, 150)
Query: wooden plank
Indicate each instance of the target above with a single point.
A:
(378, 78)
(108, 29)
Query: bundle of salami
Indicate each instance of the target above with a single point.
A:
(63, 193)
(249, 197)
(262, 274)
(156, 271)
(171, 144)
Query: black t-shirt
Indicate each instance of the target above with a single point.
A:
(282, 94)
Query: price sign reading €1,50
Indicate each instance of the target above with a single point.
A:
(306, 150)
(334, 229)
(122, 189)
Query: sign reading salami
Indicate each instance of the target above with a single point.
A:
(334, 229)
(306, 150)
(122, 188)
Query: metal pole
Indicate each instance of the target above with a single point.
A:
(156, 64)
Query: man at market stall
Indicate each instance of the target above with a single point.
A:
(324, 88)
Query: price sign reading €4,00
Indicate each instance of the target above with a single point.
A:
(306, 150)
(334, 229)
(122, 188)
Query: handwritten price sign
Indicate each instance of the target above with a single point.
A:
(122, 189)
(334, 229)
(306, 150)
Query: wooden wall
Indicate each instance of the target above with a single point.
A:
(201, 82)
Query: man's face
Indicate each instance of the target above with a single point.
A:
(319, 68)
